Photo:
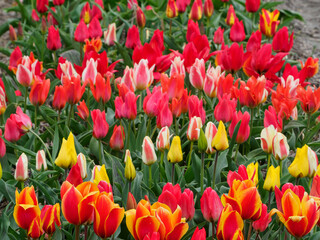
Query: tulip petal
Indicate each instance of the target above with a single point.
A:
(178, 231)
(297, 225)
(69, 205)
(113, 221)
(146, 225)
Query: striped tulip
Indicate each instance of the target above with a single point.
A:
(50, 217)
(280, 147)
(21, 172)
(163, 139)
(149, 156)
(41, 160)
(193, 131)
(99, 173)
(244, 173)
(266, 137)
(82, 163)
(269, 22)
(210, 132)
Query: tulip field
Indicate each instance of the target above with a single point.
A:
(157, 120)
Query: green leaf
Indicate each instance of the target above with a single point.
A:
(9, 90)
(7, 190)
(72, 56)
(55, 145)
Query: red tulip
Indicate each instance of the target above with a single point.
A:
(192, 30)
(100, 125)
(195, 108)
(151, 102)
(96, 12)
(81, 33)
(196, 10)
(34, 16)
(254, 42)
(231, 16)
(126, 107)
(244, 173)
(237, 33)
(39, 92)
(172, 9)
(311, 67)
(2, 146)
(140, 17)
(252, 5)
(281, 41)
(225, 108)
(164, 117)
(73, 88)
(12, 33)
(244, 129)
(211, 206)
(42, 6)
(94, 29)
(173, 86)
(218, 37)
(199, 234)
(131, 202)
(262, 223)
(182, 5)
(58, 2)
(101, 91)
(59, 98)
(133, 37)
(117, 138)
(50, 18)
(53, 40)
(197, 74)
(83, 111)
(50, 217)
(232, 58)
(208, 8)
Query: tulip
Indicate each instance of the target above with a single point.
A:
(59, 98)
(93, 45)
(53, 40)
(34, 16)
(107, 217)
(218, 36)
(272, 178)
(58, 2)
(244, 196)
(196, 10)
(175, 151)
(225, 108)
(211, 81)
(24, 76)
(298, 190)
(172, 9)
(140, 18)
(272, 118)
(142, 75)
(163, 139)
(85, 13)
(232, 58)
(208, 8)
(129, 170)
(297, 222)
(281, 41)
(244, 129)
(304, 164)
(280, 147)
(42, 6)
(100, 125)
(146, 219)
(254, 42)
(210, 132)
(237, 33)
(197, 74)
(182, 5)
(262, 223)
(35, 230)
(133, 37)
(187, 204)
(220, 140)
(170, 195)
(83, 111)
(126, 107)
(67, 156)
(39, 92)
(315, 188)
(77, 202)
(266, 137)
(96, 12)
(99, 173)
(131, 202)
(231, 16)
(81, 33)
(50, 217)
(18, 124)
(73, 88)
(26, 208)
(230, 224)
(101, 91)
(74, 176)
(164, 117)
(12, 33)
(95, 28)
(268, 22)
(2, 146)
(148, 153)
(110, 35)
(41, 160)
(174, 86)
(311, 67)
(195, 108)
(244, 173)
(193, 132)
(309, 99)
(21, 172)
(90, 72)
(192, 30)
(117, 138)
(82, 163)
(252, 5)
(211, 206)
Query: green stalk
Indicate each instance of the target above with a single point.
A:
(148, 126)
(69, 115)
(150, 176)
(25, 99)
(213, 230)
(189, 161)
(22, 184)
(172, 175)
(77, 232)
(269, 200)
(236, 155)
(161, 163)
(214, 170)
(129, 131)
(280, 164)
(269, 161)
(35, 115)
(202, 173)
(100, 155)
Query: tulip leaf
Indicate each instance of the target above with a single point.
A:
(310, 134)
(7, 190)
(55, 145)
(124, 54)
(269, 5)
(72, 55)
(46, 190)
(20, 148)
(9, 90)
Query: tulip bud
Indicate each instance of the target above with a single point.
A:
(237, 33)
(105, 187)
(12, 33)
(220, 140)
(262, 223)
(42, 5)
(210, 132)
(50, 217)
(34, 15)
(208, 8)
(41, 160)
(252, 5)
(172, 9)
(59, 98)
(196, 10)
(267, 135)
(100, 125)
(53, 40)
(133, 37)
(199, 234)
(3, 148)
(83, 111)
(43, 27)
(280, 147)
(163, 139)
(21, 172)
(129, 170)
(82, 163)
(198, 74)
(311, 67)
(218, 37)
(211, 206)
(131, 202)
(67, 156)
(140, 17)
(175, 152)
(149, 156)
(194, 124)
(269, 22)
(81, 33)
(272, 178)
(231, 16)
(244, 129)
(202, 142)
(110, 35)
(39, 92)
(117, 138)
(99, 173)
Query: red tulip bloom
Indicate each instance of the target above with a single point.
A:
(50, 217)
(237, 33)
(100, 125)
(211, 206)
(225, 108)
(117, 138)
(39, 92)
(140, 17)
(53, 40)
(81, 33)
(192, 30)
(218, 37)
(83, 111)
(182, 5)
(252, 5)
(34, 16)
(133, 37)
(94, 29)
(151, 102)
(281, 41)
(58, 2)
(262, 223)
(231, 16)
(254, 42)
(50, 18)
(208, 8)
(42, 6)
(101, 90)
(195, 108)
(311, 67)
(231, 59)
(3, 148)
(126, 106)
(173, 86)
(199, 234)
(15, 56)
(196, 10)
(309, 99)
(272, 118)
(164, 117)
(244, 129)
(148, 53)
(96, 12)
(73, 88)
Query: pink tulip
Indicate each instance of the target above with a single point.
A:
(110, 35)
(198, 74)
(142, 75)
(21, 172)
(100, 125)
(149, 156)
(244, 129)
(41, 160)
(194, 126)
(211, 81)
(117, 138)
(90, 72)
(211, 206)
(225, 108)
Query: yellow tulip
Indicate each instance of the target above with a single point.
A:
(129, 170)
(175, 151)
(99, 173)
(220, 140)
(272, 178)
(67, 156)
(252, 169)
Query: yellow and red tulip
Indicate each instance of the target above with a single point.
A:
(172, 9)
(50, 217)
(269, 22)
(99, 173)
(196, 10)
(231, 16)
(244, 173)
(35, 230)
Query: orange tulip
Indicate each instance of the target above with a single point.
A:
(77, 201)
(244, 197)
(309, 99)
(26, 208)
(311, 67)
(159, 218)
(107, 217)
(39, 92)
(298, 216)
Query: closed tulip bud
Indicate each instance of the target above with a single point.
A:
(231, 16)
(12, 34)
(269, 22)
(208, 8)
(58, 2)
(266, 137)
(202, 141)
(99, 173)
(59, 98)
(83, 111)
(81, 33)
(43, 26)
(304, 164)
(272, 178)
(24, 76)
(131, 202)
(142, 75)
(21, 172)
(237, 33)
(194, 124)
(210, 132)
(133, 37)
(163, 139)
(42, 6)
(117, 138)
(281, 41)
(41, 160)
(186, 203)
(50, 217)
(244, 129)
(53, 40)
(39, 92)
(211, 81)
(262, 223)
(211, 206)
(140, 17)
(280, 147)
(196, 10)
(100, 125)
(220, 140)
(110, 36)
(94, 28)
(172, 9)
(149, 156)
(82, 163)
(198, 74)
(225, 108)
(252, 5)
(129, 170)
(218, 37)
(175, 151)
(34, 15)
(199, 234)
(67, 156)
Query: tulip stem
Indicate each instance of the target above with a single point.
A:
(214, 170)
(202, 173)
(280, 164)
(190, 153)
(170, 28)
(69, 115)
(85, 232)
(77, 231)
(161, 164)
(35, 116)
(250, 230)
(45, 146)
(297, 180)
(213, 230)
(148, 126)
(269, 160)
(100, 156)
(172, 174)
(130, 186)
(150, 176)
(129, 130)
(25, 99)
(236, 154)
(22, 184)
(308, 121)
(257, 236)
(176, 125)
